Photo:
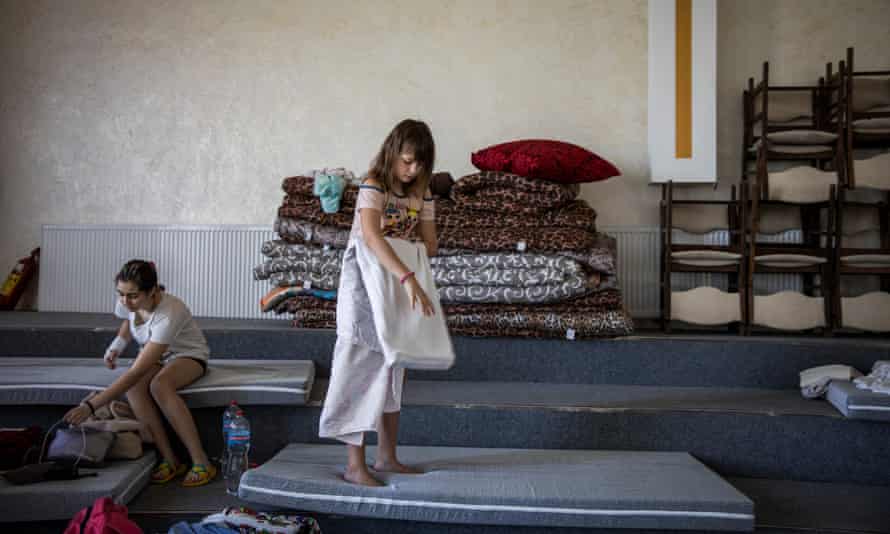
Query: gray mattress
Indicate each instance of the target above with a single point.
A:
(67, 381)
(61, 499)
(558, 488)
(858, 403)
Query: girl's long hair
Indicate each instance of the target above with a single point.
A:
(407, 135)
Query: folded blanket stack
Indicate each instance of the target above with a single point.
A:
(521, 256)
(517, 256)
(301, 265)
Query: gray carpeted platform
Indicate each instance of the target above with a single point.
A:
(780, 504)
(61, 499)
(604, 397)
(650, 359)
(67, 381)
(557, 488)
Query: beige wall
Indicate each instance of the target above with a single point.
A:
(191, 111)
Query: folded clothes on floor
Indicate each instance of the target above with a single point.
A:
(247, 521)
(878, 380)
(814, 381)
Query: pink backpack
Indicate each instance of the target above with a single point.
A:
(104, 517)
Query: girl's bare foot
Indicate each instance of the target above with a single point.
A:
(361, 477)
(396, 467)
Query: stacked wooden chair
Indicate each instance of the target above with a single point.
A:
(785, 123)
(863, 211)
(867, 107)
(813, 202)
(713, 244)
(794, 195)
(736, 240)
(794, 135)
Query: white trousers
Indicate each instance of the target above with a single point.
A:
(362, 388)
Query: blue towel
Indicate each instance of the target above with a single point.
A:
(329, 188)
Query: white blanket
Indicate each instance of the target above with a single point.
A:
(878, 380)
(408, 338)
(814, 381)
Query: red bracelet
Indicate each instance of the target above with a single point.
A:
(407, 275)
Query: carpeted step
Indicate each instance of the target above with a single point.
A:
(706, 361)
(742, 432)
(61, 499)
(782, 506)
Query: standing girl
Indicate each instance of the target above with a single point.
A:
(364, 394)
(173, 354)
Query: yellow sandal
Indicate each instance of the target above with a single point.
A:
(165, 472)
(201, 474)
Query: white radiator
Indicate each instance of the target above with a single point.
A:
(211, 267)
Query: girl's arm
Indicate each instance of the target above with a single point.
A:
(148, 358)
(118, 345)
(426, 225)
(427, 231)
(374, 239)
(124, 331)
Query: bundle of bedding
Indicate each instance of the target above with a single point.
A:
(589, 317)
(518, 256)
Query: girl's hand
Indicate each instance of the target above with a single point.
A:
(418, 296)
(78, 414)
(111, 359)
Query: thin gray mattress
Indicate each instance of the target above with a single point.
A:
(557, 488)
(858, 403)
(67, 381)
(61, 499)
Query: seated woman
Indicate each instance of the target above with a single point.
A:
(173, 354)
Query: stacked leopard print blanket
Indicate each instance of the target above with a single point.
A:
(517, 256)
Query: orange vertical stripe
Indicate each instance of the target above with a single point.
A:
(683, 32)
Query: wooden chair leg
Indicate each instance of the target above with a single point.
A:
(666, 292)
(666, 298)
(828, 292)
(743, 305)
(749, 303)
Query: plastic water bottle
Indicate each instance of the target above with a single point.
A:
(237, 448)
(228, 415)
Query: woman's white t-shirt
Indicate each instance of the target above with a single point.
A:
(171, 323)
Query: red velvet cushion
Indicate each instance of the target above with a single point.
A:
(554, 161)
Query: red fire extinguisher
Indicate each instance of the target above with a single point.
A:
(18, 279)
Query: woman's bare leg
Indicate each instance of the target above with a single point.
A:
(173, 376)
(146, 411)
